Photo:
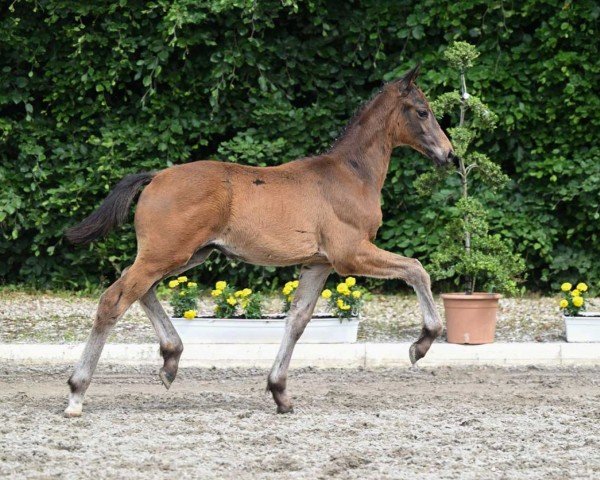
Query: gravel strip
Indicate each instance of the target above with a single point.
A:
(47, 318)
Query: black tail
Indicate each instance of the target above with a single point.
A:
(112, 212)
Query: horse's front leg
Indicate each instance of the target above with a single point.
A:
(370, 261)
(312, 279)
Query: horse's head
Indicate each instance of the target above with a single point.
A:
(415, 124)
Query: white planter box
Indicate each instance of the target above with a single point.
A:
(583, 328)
(321, 329)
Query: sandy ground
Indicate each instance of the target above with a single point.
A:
(51, 318)
(426, 424)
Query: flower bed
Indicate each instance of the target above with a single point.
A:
(238, 314)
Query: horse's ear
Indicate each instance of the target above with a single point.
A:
(408, 79)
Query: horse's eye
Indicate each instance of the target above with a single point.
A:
(422, 113)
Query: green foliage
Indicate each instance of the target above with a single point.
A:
(460, 55)
(468, 253)
(490, 262)
(184, 296)
(252, 306)
(92, 91)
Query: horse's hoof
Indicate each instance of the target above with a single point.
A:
(413, 354)
(166, 378)
(73, 411)
(283, 409)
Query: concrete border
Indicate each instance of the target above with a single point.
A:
(367, 355)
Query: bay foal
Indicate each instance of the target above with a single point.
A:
(321, 212)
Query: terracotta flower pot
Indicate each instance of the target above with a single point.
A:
(471, 318)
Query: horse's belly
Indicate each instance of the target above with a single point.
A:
(270, 249)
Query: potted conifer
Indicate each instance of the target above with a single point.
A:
(469, 254)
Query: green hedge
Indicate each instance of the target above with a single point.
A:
(91, 91)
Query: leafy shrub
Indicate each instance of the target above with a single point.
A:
(92, 91)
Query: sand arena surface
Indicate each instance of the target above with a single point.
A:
(466, 423)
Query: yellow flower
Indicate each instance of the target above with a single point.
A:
(182, 293)
(290, 298)
(182, 279)
(239, 293)
(290, 287)
(575, 293)
(192, 284)
(356, 294)
(565, 287)
(221, 285)
(564, 303)
(578, 301)
(351, 281)
(326, 293)
(231, 301)
(246, 292)
(189, 314)
(216, 293)
(173, 283)
(341, 305)
(343, 289)
(582, 287)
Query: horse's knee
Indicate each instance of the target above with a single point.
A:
(416, 275)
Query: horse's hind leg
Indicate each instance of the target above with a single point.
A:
(171, 346)
(113, 304)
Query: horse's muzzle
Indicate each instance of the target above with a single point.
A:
(441, 158)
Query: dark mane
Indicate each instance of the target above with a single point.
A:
(355, 118)
(407, 78)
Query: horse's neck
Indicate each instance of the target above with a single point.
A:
(367, 148)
